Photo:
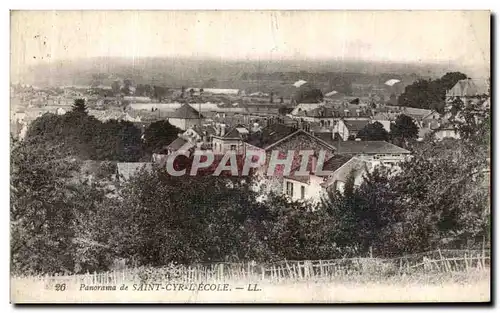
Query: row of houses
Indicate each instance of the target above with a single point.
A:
(342, 158)
(323, 120)
(305, 127)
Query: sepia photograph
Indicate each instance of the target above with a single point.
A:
(250, 156)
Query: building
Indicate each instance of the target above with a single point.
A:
(342, 169)
(229, 140)
(136, 99)
(384, 118)
(429, 123)
(416, 113)
(180, 144)
(314, 187)
(310, 187)
(349, 129)
(185, 117)
(283, 140)
(467, 89)
(447, 130)
(380, 151)
(328, 116)
(220, 91)
(305, 107)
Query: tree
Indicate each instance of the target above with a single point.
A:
(429, 94)
(79, 106)
(450, 79)
(167, 229)
(148, 91)
(140, 90)
(86, 137)
(159, 92)
(41, 208)
(126, 89)
(308, 94)
(211, 83)
(404, 129)
(373, 131)
(438, 199)
(61, 222)
(341, 206)
(115, 87)
(393, 100)
(159, 134)
(115, 141)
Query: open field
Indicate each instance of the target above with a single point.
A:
(471, 286)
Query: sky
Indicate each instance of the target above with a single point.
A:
(460, 37)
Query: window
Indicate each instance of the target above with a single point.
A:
(302, 192)
(233, 147)
(289, 188)
(339, 185)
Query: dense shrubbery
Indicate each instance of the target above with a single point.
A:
(437, 199)
(85, 136)
(429, 94)
(82, 135)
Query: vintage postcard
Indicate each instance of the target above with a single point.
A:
(250, 156)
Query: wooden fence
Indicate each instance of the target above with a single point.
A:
(428, 262)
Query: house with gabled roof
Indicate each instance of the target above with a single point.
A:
(232, 139)
(185, 117)
(468, 89)
(283, 140)
(315, 186)
(349, 129)
(180, 144)
(355, 166)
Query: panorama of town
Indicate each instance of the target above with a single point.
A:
(361, 130)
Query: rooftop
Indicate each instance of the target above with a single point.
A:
(186, 112)
(336, 161)
(177, 144)
(356, 125)
(354, 165)
(468, 88)
(332, 164)
(368, 147)
(270, 135)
